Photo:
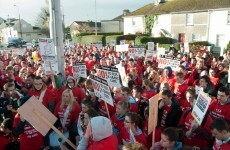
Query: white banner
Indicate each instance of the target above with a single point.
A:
(131, 52)
(150, 45)
(101, 89)
(113, 43)
(122, 42)
(16, 52)
(173, 63)
(122, 48)
(122, 72)
(99, 45)
(79, 70)
(110, 74)
(47, 60)
(149, 55)
(160, 51)
(201, 106)
(186, 47)
(140, 52)
(46, 47)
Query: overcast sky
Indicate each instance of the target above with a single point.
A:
(74, 10)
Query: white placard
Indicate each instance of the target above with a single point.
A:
(16, 52)
(140, 52)
(201, 106)
(99, 45)
(173, 63)
(47, 60)
(110, 74)
(113, 43)
(122, 72)
(79, 70)
(131, 52)
(160, 51)
(149, 55)
(101, 89)
(29, 45)
(46, 47)
(122, 42)
(150, 45)
(229, 74)
(198, 89)
(122, 48)
(186, 47)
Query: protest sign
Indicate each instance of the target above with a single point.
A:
(140, 52)
(40, 117)
(47, 60)
(101, 89)
(99, 45)
(122, 42)
(46, 47)
(29, 45)
(164, 62)
(131, 52)
(150, 45)
(122, 73)
(79, 70)
(201, 106)
(149, 55)
(113, 43)
(16, 52)
(122, 48)
(229, 74)
(110, 74)
(198, 89)
(160, 51)
(186, 47)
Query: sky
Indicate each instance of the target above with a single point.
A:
(74, 10)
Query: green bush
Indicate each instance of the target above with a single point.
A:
(100, 33)
(143, 40)
(93, 39)
(202, 43)
(112, 37)
(77, 39)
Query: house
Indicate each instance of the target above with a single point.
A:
(189, 20)
(13, 28)
(114, 25)
(84, 26)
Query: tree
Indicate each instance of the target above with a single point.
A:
(42, 20)
(149, 22)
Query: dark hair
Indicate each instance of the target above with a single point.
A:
(191, 91)
(131, 84)
(126, 89)
(81, 80)
(30, 76)
(136, 119)
(37, 78)
(212, 92)
(8, 123)
(138, 89)
(206, 78)
(171, 133)
(224, 90)
(167, 93)
(92, 113)
(219, 124)
(87, 101)
(88, 82)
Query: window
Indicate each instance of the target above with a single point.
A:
(228, 18)
(220, 40)
(133, 22)
(195, 37)
(189, 19)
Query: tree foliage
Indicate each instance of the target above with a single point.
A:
(42, 20)
(149, 22)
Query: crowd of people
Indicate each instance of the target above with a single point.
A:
(85, 119)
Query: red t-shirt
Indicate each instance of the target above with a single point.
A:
(117, 123)
(165, 113)
(103, 111)
(73, 113)
(148, 94)
(4, 142)
(31, 138)
(180, 92)
(224, 146)
(124, 137)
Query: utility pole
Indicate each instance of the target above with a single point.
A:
(19, 18)
(56, 32)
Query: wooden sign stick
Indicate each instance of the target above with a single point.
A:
(106, 106)
(52, 76)
(55, 129)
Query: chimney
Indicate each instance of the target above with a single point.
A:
(125, 12)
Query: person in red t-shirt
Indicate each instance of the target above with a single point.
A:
(132, 131)
(117, 119)
(167, 76)
(186, 104)
(195, 135)
(213, 78)
(188, 78)
(180, 88)
(220, 130)
(148, 90)
(10, 76)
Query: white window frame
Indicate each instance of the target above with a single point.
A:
(189, 19)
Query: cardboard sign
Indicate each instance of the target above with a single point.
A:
(150, 45)
(229, 74)
(99, 45)
(110, 74)
(54, 64)
(46, 47)
(160, 51)
(79, 70)
(122, 73)
(186, 47)
(122, 48)
(201, 106)
(122, 42)
(30, 111)
(149, 55)
(173, 63)
(16, 52)
(101, 89)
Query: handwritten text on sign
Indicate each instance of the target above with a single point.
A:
(201, 107)
(136, 52)
(46, 47)
(79, 70)
(164, 62)
(101, 89)
(110, 74)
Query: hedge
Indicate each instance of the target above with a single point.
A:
(100, 33)
(92, 39)
(143, 40)
(113, 37)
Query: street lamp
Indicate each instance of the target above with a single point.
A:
(19, 18)
(96, 17)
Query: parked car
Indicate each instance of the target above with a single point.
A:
(14, 43)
